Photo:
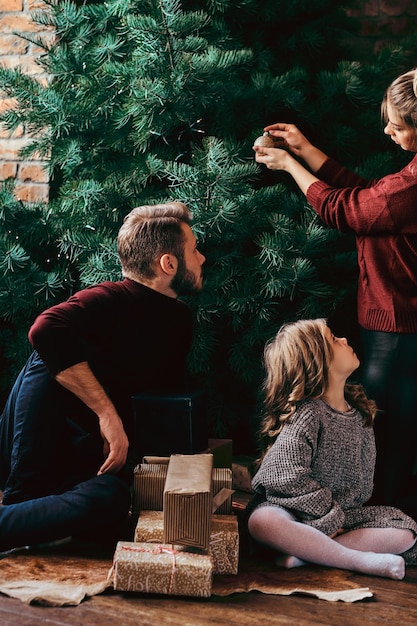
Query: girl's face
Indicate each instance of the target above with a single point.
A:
(401, 133)
(344, 360)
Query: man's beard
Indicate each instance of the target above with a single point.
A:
(184, 281)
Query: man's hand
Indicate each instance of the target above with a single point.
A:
(80, 380)
(115, 447)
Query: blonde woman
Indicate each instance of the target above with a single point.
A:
(317, 462)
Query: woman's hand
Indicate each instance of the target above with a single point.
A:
(273, 158)
(289, 137)
(278, 159)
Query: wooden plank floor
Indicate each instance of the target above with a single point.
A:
(393, 603)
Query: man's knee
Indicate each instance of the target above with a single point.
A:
(108, 495)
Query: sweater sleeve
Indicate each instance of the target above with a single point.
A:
(285, 476)
(62, 334)
(349, 203)
(336, 175)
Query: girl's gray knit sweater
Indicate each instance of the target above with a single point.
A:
(320, 468)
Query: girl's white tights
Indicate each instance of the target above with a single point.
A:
(372, 551)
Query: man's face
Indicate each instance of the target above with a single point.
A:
(189, 276)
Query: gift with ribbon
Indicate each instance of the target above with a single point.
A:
(161, 568)
(224, 538)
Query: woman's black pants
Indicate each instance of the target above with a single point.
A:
(390, 378)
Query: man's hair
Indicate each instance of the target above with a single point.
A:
(147, 233)
(402, 95)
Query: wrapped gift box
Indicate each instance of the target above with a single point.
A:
(156, 460)
(149, 483)
(243, 470)
(161, 568)
(222, 479)
(148, 487)
(150, 527)
(224, 538)
(224, 544)
(188, 500)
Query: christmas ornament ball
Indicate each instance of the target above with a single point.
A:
(264, 140)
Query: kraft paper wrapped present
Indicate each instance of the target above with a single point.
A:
(161, 568)
(150, 527)
(222, 479)
(243, 470)
(148, 487)
(149, 482)
(224, 544)
(224, 538)
(188, 500)
(156, 460)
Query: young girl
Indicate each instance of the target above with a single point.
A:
(382, 214)
(318, 461)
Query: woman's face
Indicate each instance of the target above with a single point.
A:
(401, 133)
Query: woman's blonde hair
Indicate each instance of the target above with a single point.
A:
(402, 95)
(297, 364)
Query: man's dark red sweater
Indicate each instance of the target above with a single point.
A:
(134, 338)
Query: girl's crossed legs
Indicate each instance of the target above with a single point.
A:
(372, 551)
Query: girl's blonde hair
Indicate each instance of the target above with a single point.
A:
(297, 364)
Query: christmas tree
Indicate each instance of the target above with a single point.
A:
(161, 99)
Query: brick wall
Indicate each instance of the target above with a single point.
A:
(32, 180)
(382, 20)
(379, 20)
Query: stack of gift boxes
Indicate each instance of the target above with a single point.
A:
(185, 529)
